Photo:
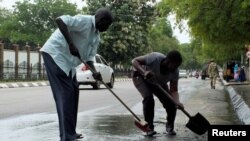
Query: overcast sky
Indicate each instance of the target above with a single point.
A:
(182, 37)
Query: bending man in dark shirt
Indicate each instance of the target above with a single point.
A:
(156, 68)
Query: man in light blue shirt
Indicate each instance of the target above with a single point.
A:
(76, 37)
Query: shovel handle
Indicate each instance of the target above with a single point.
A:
(92, 70)
(171, 98)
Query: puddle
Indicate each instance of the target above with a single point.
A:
(40, 127)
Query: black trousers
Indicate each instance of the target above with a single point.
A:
(147, 91)
(66, 95)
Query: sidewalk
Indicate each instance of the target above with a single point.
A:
(239, 93)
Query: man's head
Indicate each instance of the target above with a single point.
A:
(172, 62)
(103, 19)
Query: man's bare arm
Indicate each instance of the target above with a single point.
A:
(64, 30)
(174, 93)
(138, 62)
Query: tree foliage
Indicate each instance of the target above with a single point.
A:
(161, 36)
(127, 37)
(222, 25)
(5, 23)
(136, 29)
(33, 22)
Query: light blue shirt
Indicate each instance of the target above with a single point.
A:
(85, 37)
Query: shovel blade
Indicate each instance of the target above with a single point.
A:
(198, 124)
(142, 125)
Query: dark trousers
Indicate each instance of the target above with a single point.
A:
(147, 91)
(66, 95)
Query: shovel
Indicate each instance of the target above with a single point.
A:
(198, 124)
(141, 124)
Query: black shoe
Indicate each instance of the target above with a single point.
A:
(151, 133)
(79, 136)
(171, 132)
(170, 129)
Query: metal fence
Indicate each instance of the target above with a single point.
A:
(21, 63)
(24, 63)
(23, 72)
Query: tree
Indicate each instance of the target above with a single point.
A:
(34, 22)
(194, 55)
(161, 36)
(222, 25)
(5, 23)
(127, 36)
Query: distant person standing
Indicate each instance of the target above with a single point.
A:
(213, 73)
(236, 72)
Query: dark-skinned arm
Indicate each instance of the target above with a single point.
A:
(91, 65)
(174, 93)
(138, 63)
(64, 30)
(96, 75)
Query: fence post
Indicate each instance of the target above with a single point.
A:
(1, 60)
(16, 48)
(39, 62)
(28, 61)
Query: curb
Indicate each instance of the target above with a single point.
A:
(44, 83)
(240, 107)
(23, 84)
(123, 79)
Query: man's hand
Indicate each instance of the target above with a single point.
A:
(74, 51)
(180, 106)
(150, 77)
(97, 76)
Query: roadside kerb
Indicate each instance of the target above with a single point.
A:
(44, 83)
(23, 84)
(240, 107)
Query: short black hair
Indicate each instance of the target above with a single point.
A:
(104, 13)
(174, 56)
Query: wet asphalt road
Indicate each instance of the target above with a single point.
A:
(28, 114)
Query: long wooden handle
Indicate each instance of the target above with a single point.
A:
(171, 98)
(91, 69)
